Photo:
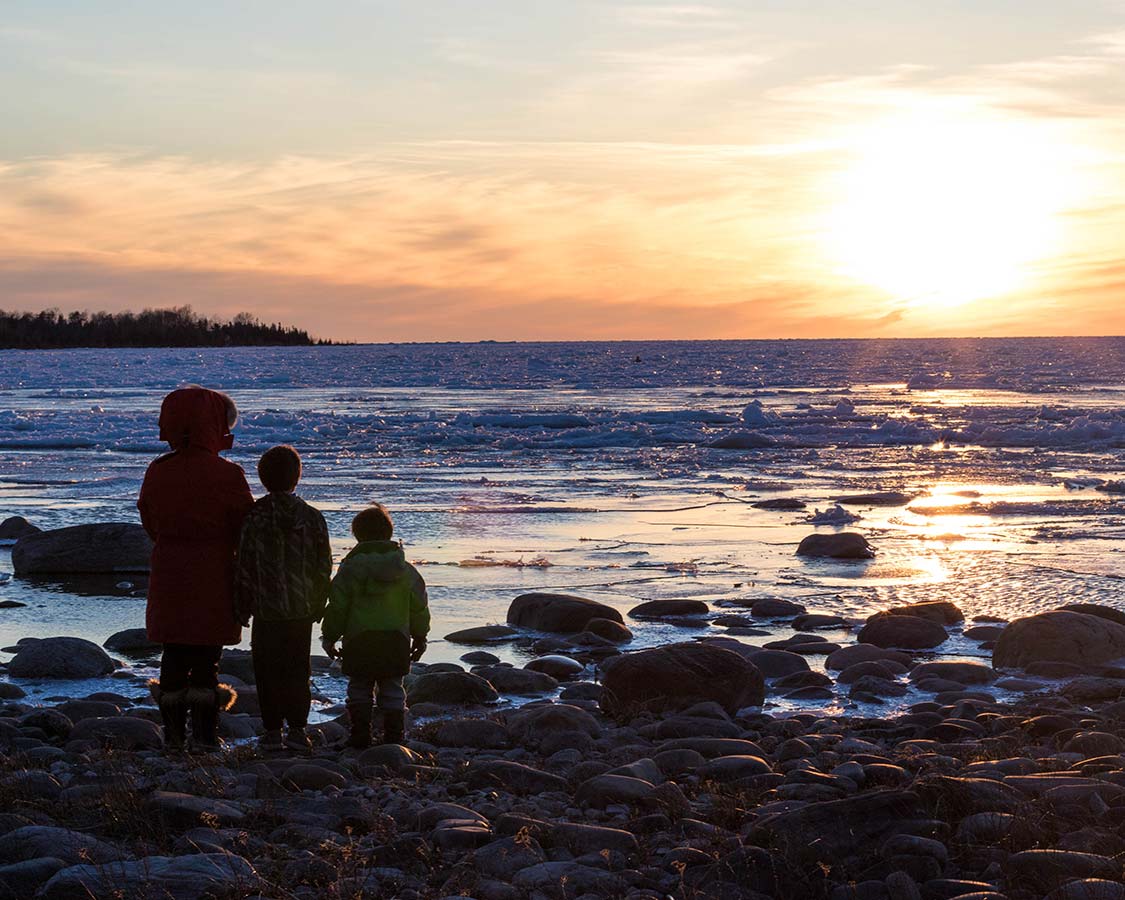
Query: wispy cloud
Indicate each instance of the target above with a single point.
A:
(715, 231)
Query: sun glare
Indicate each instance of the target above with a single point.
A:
(940, 209)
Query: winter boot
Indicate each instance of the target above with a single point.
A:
(394, 726)
(173, 711)
(297, 739)
(359, 716)
(206, 704)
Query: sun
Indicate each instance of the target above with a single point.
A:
(941, 208)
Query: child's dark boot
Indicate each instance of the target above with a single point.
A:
(359, 717)
(394, 726)
(173, 713)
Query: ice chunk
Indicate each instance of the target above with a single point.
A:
(834, 515)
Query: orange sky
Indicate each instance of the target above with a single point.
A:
(665, 171)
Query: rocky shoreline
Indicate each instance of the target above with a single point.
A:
(647, 774)
(647, 784)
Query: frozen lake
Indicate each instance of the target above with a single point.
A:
(621, 471)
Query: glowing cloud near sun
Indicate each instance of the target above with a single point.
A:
(940, 208)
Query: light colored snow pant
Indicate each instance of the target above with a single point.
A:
(389, 692)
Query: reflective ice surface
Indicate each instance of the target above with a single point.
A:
(623, 472)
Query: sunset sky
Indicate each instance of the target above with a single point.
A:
(440, 170)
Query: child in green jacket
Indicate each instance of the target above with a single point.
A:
(378, 606)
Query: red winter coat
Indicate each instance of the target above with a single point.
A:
(192, 504)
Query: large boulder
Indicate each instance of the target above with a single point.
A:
(951, 670)
(179, 877)
(859, 653)
(450, 688)
(681, 675)
(669, 609)
(15, 527)
(522, 682)
(1096, 609)
(120, 732)
(36, 841)
(530, 724)
(845, 545)
(561, 668)
(834, 829)
(775, 608)
(1059, 636)
(83, 549)
(132, 642)
(912, 632)
(941, 611)
(483, 634)
(237, 664)
(777, 663)
(609, 630)
(560, 613)
(60, 657)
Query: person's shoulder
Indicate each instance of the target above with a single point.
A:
(310, 512)
(412, 571)
(261, 507)
(162, 459)
(159, 472)
(231, 470)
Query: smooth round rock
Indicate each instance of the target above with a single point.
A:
(680, 675)
(60, 657)
(912, 632)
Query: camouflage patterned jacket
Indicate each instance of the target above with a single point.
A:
(284, 566)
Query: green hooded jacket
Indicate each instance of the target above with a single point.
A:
(376, 589)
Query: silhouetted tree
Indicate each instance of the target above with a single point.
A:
(178, 327)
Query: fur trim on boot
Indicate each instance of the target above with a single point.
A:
(173, 713)
(206, 704)
(222, 697)
(225, 696)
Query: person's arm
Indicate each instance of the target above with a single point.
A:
(336, 614)
(323, 563)
(144, 507)
(240, 501)
(246, 573)
(419, 616)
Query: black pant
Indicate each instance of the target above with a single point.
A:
(189, 665)
(282, 670)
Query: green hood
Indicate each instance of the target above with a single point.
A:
(377, 560)
(376, 589)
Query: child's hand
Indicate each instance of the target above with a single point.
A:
(417, 648)
(329, 648)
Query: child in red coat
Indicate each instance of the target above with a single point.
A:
(192, 504)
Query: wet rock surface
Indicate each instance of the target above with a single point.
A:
(845, 545)
(60, 657)
(561, 613)
(1060, 636)
(83, 550)
(554, 800)
(679, 675)
(662, 773)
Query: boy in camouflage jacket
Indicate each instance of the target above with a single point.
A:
(281, 580)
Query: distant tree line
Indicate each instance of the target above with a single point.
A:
(179, 327)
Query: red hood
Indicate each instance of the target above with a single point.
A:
(195, 417)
